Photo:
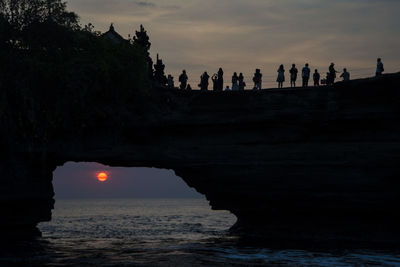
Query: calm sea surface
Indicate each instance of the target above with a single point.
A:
(161, 232)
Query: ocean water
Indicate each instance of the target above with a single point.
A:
(161, 232)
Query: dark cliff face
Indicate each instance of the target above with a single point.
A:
(303, 164)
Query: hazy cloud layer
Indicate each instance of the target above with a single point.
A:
(199, 35)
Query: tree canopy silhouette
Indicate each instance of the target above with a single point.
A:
(23, 13)
(54, 72)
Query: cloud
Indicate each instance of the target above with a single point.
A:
(145, 4)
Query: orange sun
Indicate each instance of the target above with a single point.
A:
(102, 176)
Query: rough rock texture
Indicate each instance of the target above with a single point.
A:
(303, 165)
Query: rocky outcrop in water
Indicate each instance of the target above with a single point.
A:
(307, 165)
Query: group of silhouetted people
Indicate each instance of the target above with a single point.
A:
(217, 79)
(330, 75)
(306, 74)
(238, 83)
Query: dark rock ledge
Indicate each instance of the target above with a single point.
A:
(304, 165)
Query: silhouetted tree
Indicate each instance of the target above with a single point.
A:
(142, 40)
(36, 24)
(5, 31)
(159, 75)
(57, 75)
(23, 13)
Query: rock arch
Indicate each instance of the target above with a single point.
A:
(294, 164)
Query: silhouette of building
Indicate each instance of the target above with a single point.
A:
(114, 36)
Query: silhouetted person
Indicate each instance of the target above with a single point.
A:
(281, 76)
(214, 79)
(235, 82)
(332, 74)
(170, 81)
(379, 67)
(305, 74)
(242, 84)
(227, 88)
(293, 75)
(183, 78)
(316, 78)
(189, 88)
(345, 75)
(257, 79)
(220, 79)
(326, 80)
(204, 81)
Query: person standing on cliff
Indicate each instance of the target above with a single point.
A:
(281, 76)
(293, 75)
(235, 82)
(305, 74)
(242, 84)
(220, 79)
(331, 74)
(214, 80)
(379, 67)
(345, 75)
(257, 79)
(316, 78)
(204, 81)
(183, 78)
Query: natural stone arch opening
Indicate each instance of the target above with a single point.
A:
(74, 198)
(78, 180)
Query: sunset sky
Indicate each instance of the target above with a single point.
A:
(203, 35)
(241, 35)
(78, 180)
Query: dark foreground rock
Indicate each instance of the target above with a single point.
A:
(317, 165)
